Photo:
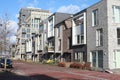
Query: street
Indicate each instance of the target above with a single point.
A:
(36, 71)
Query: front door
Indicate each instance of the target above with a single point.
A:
(116, 59)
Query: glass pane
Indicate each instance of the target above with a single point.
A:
(118, 33)
(119, 41)
(82, 39)
(94, 59)
(100, 59)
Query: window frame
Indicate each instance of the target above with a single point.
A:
(99, 37)
(95, 17)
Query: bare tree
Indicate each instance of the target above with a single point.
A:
(5, 33)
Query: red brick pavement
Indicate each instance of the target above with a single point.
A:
(59, 73)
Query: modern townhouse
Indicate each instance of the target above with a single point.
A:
(29, 20)
(91, 35)
(54, 36)
(79, 37)
(41, 42)
(103, 33)
(63, 40)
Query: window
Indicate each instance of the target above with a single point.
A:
(23, 40)
(28, 35)
(118, 36)
(99, 37)
(23, 35)
(36, 20)
(59, 45)
(116, 14)
(51, 28)
(95, 17)
(51, 24)
(23, 30)
(97, 58)
(58, 29)
(78, 56)
(28, 30)
(78, 33)
(68, 43)
(78, 39)
(41, 27)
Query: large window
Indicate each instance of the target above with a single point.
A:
(37, 20)
(118, 36)
(116, 14)
(50, 28)
(99, 37)
(78, 56)
(79, 33)
(97, 58)
(95, 17)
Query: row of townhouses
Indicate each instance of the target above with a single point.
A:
(91, 35)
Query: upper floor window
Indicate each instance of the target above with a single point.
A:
(51, 24)
(95, 17)
(78, 31)
(23, 35)
(28, 30)
(58, 32)
(36, 20)
(23, 30)
(68, 42)
(116, 14)
(99, 37)
(118, 36)
(41, 27)
(28, 35)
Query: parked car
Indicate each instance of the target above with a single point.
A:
(8, 63)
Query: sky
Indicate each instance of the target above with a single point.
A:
(12, 8)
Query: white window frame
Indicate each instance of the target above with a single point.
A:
(95, 18)
(99, 35)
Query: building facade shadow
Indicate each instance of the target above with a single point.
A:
(6, 75)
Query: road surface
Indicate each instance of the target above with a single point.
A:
(37, 71)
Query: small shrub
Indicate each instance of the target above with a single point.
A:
(49, 61)
(76, 65)
(87, 65)
(61, 64)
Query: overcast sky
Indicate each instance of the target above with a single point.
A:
(12, 7)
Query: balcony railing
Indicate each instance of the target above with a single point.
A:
(50, 48)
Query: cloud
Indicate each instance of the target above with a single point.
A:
(34, 3)
(69, 9)
(28, 3)
(51, 9)
(13, 30)
(17, 15)
(13, 26)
